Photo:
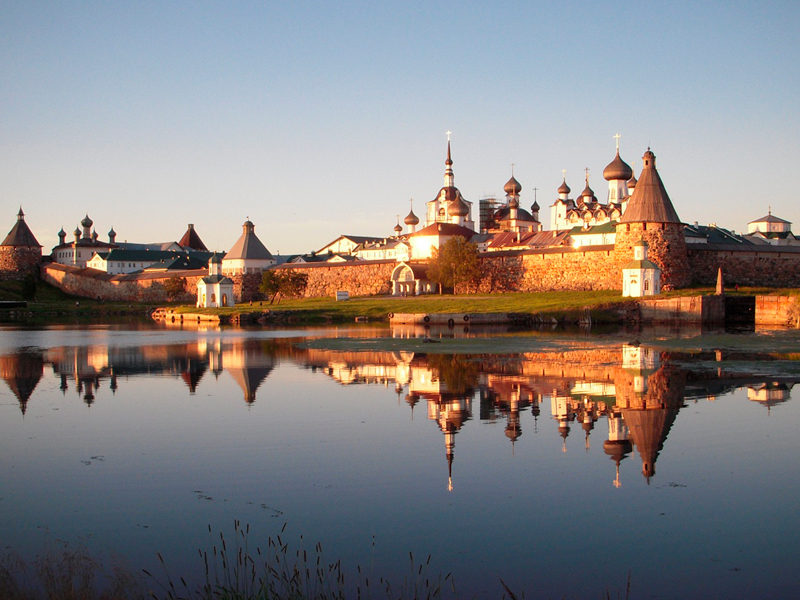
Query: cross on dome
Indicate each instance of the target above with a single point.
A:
(616, 137)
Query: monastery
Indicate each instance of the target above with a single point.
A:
(590, 244)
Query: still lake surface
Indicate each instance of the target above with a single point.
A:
(559, 463)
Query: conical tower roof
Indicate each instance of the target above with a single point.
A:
(191, 240)
(20, 234)
(248, 245)
(650, 202)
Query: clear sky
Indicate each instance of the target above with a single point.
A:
(316, 119)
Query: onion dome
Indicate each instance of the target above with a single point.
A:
(458, 208)
(94, 235)
(398, 229)
(112, 233)
(632, 182)
(411, 219)
(512, 187)
(87, 222)
(588, 194)
(62, 233)
(564, 188)
(535, 207)
(617, 170)
(216, 259)
(77, 232)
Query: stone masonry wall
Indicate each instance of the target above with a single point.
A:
(563, 270)
(18, 261)
(89, 283)
(366, 279)
(767, 268)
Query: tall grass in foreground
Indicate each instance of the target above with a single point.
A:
(233, 571)
(236, 571)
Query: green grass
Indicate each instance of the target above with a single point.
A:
(380, 307)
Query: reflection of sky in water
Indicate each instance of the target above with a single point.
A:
(147, 467)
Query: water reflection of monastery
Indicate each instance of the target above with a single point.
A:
(637, 390)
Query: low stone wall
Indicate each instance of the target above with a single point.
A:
(91, 283)
(777, 310)
(686, 309)
(770, 266)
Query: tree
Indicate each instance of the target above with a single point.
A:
(454, 263)
(275, 284)
(175, 287)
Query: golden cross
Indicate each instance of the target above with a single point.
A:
(448, 135)
(616, 137)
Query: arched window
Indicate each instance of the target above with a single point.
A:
(213, 298)
(646, 285)
(224, 299)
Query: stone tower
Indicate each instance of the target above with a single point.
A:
(651, 217)
(20, 253)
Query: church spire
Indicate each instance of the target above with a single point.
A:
(448, 171)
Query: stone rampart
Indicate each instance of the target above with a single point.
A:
(551, 269)
(770, 266)
(360, 279)
(91, 283)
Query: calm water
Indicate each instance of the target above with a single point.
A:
(558, 464)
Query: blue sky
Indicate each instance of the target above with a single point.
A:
(316, 119)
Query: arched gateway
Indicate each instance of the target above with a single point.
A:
(412, 280)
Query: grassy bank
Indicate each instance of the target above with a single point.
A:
(378, 308)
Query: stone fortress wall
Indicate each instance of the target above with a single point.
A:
(552, 269)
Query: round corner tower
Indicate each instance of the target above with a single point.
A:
(20, 253)
(651, 217)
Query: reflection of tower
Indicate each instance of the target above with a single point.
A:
(193, 373)
(249, 365)
(22, 372)
(562, 413)
(617, 446)
(649, 413)
(513, 428)
(450, 414)
(589, 418)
